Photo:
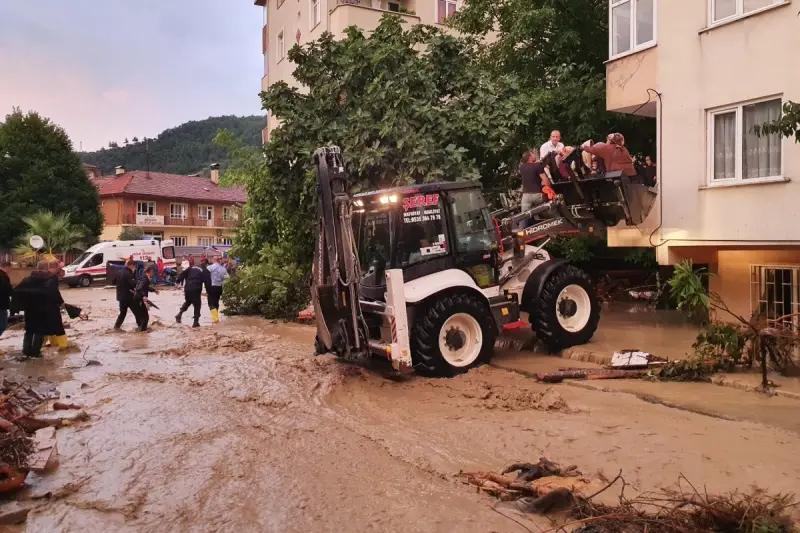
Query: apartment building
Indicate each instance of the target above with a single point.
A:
(191, 210)
(708, 70)
(290, 22)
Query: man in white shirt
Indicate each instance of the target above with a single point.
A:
(553, 145)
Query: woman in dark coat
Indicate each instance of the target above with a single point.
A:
(33, 296)
(54, 325)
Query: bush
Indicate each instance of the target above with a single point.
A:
(273, 287)
(686, 288)
(131, 234)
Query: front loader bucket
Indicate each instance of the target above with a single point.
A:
(639, 199)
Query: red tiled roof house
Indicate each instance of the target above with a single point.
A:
(191, 210)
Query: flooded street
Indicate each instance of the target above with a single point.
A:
(238, 427)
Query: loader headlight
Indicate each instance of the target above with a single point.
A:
(393, 198)
(358, 203)
(384, 200)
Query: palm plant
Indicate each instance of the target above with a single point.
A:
(58, 232)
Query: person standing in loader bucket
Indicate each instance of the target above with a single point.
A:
(194, 279)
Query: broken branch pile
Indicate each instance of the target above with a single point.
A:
(545, 487)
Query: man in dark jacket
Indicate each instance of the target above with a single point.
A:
(5, 295)
(194, 279)
(126, 284)
(143, 290)
(34, 297)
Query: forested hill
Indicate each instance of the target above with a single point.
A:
(186, 149)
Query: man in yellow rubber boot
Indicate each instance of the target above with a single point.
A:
(218, 274)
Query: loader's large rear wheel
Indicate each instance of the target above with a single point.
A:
(567, 312)
(452, 334)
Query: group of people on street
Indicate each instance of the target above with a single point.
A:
(133, 293)
(39, 297)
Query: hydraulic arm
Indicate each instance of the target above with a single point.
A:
(336, 273)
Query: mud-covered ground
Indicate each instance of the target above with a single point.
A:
(238, 427)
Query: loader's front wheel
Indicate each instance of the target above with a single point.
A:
(567, 312)
(452, 334)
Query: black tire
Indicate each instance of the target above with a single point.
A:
(544, 317)
(85, 281)
(425, 352)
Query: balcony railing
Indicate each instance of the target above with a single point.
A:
(160, 221)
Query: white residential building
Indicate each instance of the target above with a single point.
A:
(709, 70)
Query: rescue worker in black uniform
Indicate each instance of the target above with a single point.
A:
(143, 290)
(126, 284)
(194, 279)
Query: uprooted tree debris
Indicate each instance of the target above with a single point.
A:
(545, 488)
(27, 435)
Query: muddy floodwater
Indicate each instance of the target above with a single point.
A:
(238, 427)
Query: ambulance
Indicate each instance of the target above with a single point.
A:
(91, 265)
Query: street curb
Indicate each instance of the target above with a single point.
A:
(721, 381)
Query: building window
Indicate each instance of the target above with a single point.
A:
(225, 241)
(205, 212)
(735, 152)
(281, 46)
(178, 211)
(775, 292)
(720, 10)
(179, 241)
(316, 12)
(445, 10)
(145, 208)
(632, 25)
(230, 214)
(205, 241)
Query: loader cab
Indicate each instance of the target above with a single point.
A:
(423, 230)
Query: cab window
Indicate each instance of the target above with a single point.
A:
(168, 252)
(374, 244)
(96, 260)
(473, 226)
(422, 230)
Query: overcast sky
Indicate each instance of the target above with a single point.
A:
(110, 69)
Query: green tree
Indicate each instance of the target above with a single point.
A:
(40, 171)
(131, 234)
(57, 230)
(558, 49)
(787, 125)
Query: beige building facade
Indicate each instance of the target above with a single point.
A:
(708, 70)
(290, 22)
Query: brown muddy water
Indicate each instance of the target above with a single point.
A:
(238, 427)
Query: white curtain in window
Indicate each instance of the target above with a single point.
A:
(621, 28)
(724, 8)
(761, 156)
(752, 5)
(644, 21)
(725, 146)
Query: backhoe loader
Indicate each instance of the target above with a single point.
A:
(427, 277)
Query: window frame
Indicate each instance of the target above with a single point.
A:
(229, 213)
(440, 20)
(175, 238)
(148, 202)
(185, 211)
(209, 211)
(225, 241)
(280, 44)
(738, 178)
(316, 9)
(200, 240)
(634, 48)
(739, 11)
